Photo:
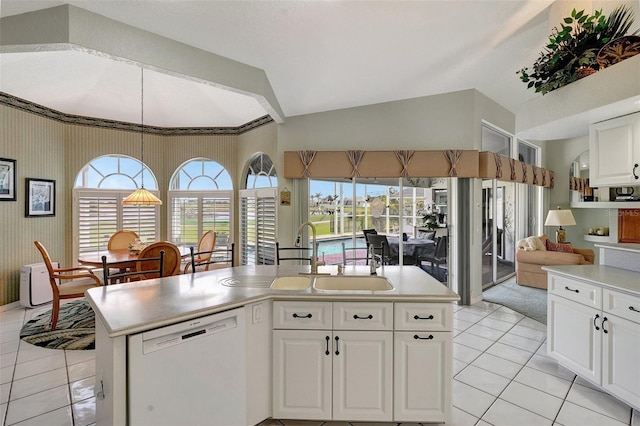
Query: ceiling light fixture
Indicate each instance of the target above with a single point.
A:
(141, 197)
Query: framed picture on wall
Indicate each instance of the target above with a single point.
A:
(41, 197)
(7, 179)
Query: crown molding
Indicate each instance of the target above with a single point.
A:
(33, 108)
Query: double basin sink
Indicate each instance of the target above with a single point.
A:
(332, 283)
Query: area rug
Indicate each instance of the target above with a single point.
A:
(529, 301)
(76, 329)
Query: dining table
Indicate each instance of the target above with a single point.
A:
(118, 256)
(412, 248)
(123, 259)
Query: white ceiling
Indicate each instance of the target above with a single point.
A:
(317, 55)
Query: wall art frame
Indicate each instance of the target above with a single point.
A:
(7, 179)
(40, 197)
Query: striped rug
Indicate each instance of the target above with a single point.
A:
(75, 330)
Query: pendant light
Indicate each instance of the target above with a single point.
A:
(141, 197)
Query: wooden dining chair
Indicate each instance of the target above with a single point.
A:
(217, 258)
(172, 260)
(66, 283)
(206, 246)
(114, 272)
(122, 239)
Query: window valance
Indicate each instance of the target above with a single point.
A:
(433, 163)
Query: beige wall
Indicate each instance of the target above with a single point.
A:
(38, 146)
(49, 149)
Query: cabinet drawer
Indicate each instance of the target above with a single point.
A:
(423, 316)
(578, 291)
(622, 305)
(302, 315)
(362, 316)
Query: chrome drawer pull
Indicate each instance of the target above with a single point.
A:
(367, 317)
(417, 317)
(423, 338)
(302, 316)
(570, 289)
(631, 308)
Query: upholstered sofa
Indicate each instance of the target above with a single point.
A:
(532, 254)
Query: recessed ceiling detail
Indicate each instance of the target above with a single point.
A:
(15, 102)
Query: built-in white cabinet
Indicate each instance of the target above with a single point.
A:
(614, 147)
(422, 362)
(347, 361)
(341, 372)
(621, 346)
(595, 332)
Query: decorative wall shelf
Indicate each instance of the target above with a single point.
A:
(600, 238)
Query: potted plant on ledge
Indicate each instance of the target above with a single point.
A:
(571, 52)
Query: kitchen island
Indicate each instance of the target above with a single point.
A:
(408, 328)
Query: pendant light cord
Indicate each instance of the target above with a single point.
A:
(142, 123)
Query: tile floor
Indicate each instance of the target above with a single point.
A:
(502, 376)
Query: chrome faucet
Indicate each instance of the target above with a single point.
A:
(314, 249)
(373, 263)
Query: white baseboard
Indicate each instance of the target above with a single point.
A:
(10, 306)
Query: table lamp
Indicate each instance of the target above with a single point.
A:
(560, 218)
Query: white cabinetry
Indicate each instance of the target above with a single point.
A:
(422, 362)
(621, 346)
(346, 361)
(614, 147)
(595, 332)
(324, 371)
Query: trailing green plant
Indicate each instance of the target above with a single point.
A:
(575, 46)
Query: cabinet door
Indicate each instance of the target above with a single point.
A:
(621, 353)
(422, 376)
(302, 374)
(574, 336)
(362, 375)
(614, 148)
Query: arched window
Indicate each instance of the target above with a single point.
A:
(261, 172)
(258, 212)
(99, 189)
(200, 200)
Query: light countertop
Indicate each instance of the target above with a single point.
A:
(620, 246)
(134, 307)
(601, 275)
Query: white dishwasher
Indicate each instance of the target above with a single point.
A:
(191, 373)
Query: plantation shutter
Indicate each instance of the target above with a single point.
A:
(258, 226)
(97, 221)
(192, 213)
(100, 214)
